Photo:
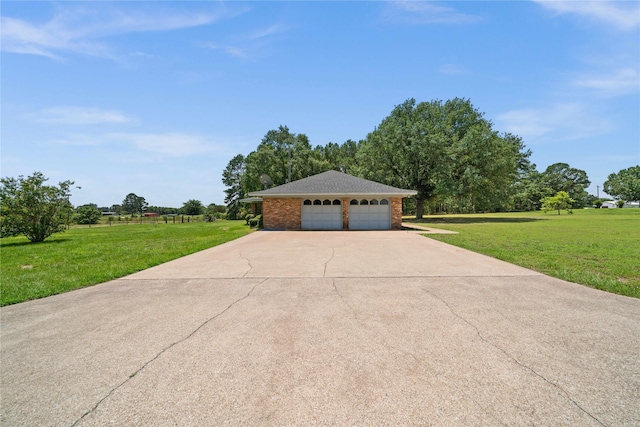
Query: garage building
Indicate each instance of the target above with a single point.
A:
(332, 200)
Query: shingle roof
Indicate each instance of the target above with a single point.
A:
(332, 183)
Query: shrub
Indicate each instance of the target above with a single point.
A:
(620, 204)
(256, 221)
(597, 203)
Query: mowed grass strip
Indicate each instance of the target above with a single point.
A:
(594, 247)
(83, 257)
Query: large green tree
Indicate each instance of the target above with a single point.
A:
(624, 185)
(529, 190)
(29, 207)
(284, 157)
(408, 150)
(232, 177)
(445, 151)
(562, 177)
(192, 207)
(340, 157)
(134, 205)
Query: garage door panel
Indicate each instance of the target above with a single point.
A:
(369, 217)
(322, 217)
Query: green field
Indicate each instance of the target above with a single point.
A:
(598, 248)
(595, 247)
(82, 257)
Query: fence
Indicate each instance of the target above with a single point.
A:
(165, 219)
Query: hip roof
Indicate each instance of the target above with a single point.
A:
(332, 183)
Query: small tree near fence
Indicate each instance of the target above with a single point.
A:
(87, 214)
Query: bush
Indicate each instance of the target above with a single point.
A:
(620, 204)
(597, 203)
(256, 221)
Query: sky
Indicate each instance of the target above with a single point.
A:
(155, 98)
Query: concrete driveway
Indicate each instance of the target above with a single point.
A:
(324, 328)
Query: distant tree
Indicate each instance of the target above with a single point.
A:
(624, 185)
(133, 204)
(562, 177)
(590, 200)
(232, 177)
(528, 190)
(116, 208)
(192, 207)
(213, 208)
(162, 210)
(87, 214)
(620, 203)
(29, 207)
(558, 202)
(597, 203)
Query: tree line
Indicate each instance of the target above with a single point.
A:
(31, 208)
(135, 205)
(447, 151)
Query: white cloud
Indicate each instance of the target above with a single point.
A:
(234, 51)
(246, 46)
(622, 15)
(79, 140)
(78, 29)
(452, 69)
(131, 145)
(167, 144)
(266, 32)
(560, 122)
(622, 81)
(81, 116)
(424, 12)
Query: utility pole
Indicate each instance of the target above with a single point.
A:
(598, 190)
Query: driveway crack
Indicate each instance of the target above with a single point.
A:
(516, 361)
(353, 312)
(333, 254)
(248, 262)
(164, 350)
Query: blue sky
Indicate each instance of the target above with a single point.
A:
(155, 98)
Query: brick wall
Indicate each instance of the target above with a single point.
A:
(396, 213)
(282, 213)
(286, 213)
(345, 213)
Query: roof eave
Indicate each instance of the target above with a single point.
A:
(299, 195)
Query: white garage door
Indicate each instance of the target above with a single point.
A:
(370, 214)
(322, 214)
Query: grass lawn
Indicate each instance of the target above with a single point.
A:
(595, 247)
(82, 257)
